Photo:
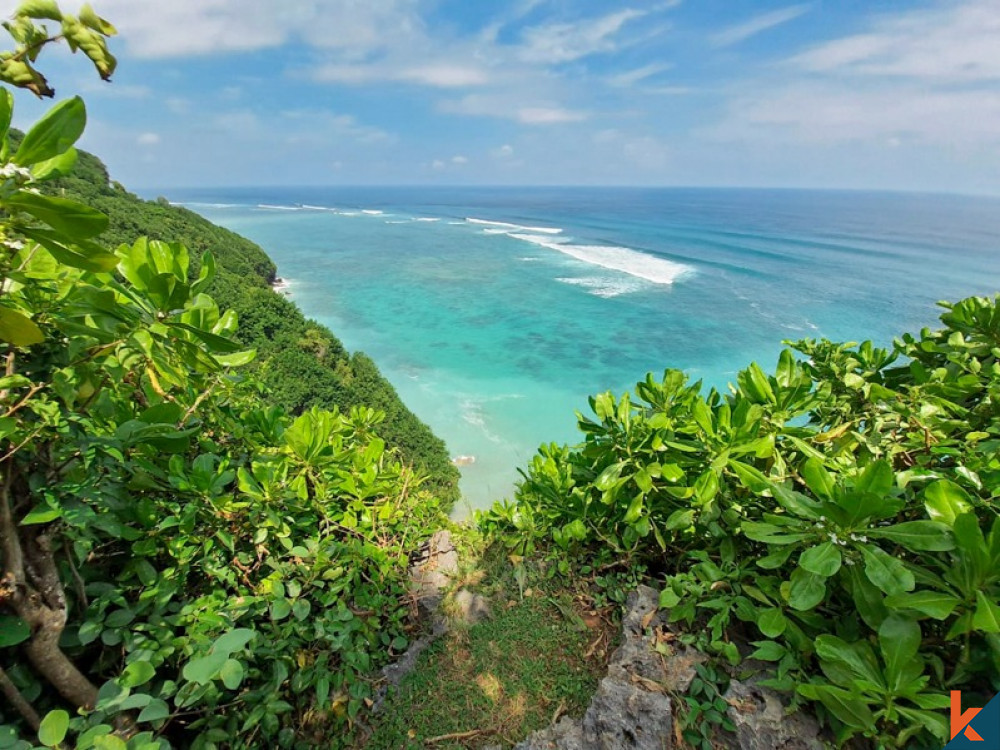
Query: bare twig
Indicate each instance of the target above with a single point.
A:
(458, 736)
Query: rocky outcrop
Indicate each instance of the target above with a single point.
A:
(762, 722)
(632, 710)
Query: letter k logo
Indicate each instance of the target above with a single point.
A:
(960, 721)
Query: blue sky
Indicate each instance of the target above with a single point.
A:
(828, 93)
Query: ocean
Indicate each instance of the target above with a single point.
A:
(495, 312)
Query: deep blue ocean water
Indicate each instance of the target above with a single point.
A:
(496, 311)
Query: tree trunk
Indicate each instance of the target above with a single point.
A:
(35, 593)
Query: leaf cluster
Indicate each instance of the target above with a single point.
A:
(836, 518)
(184, 562)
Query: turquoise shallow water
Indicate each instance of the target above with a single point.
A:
(496, 312)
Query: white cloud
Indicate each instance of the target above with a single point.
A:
(835, 112)
(631, 77)
(512, 106)
(148, 139)
(949, 43)
(459, 159)
(757, 25)
(178, 105)
(548, 115)
(208, 27)
(440, 75)
(923, 77)
(565, 42)
(506, 151)
(445, 75)
(318, 127)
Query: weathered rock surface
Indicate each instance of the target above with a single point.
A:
(432, 570)
(631, 709)
(761, 722)
(469, 608)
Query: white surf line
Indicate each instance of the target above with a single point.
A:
(514, 227)
(635, 263)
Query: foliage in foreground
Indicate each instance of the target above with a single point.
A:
(300, 363)
(183, 563)
(837, 519)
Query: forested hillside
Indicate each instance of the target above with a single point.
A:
(193, 553)
(300, 362)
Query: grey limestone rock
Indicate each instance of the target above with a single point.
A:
(761, 721)
(629, 711)
(469, 608)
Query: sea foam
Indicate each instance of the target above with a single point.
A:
(640, 265)
(506, 227)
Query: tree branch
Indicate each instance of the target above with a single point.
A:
(14, 697)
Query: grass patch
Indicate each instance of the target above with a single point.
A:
(538, 657)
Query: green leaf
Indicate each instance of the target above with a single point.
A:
(634, 510)
(776, 558)
(157, 710)
(844, 705)
(936, 605)
(18, 329)
(877, 478)
(39, 9)
(751, 478)
(772, 622)
(52, 730)
(79, 254)
(231, 674)
(109, 742)
(13, 630)
(137, 673)
(679, 519)
(236, 360)
(41, 513)
(768, 651)
(6, 112)
(280, 609)
(945, 501)
(669, 598)
(817, 478)
(987, 616)
(57, 166)
(806, 590)
(886, 572)
(899, 642)
(92, 21)
(823, 560)
(56, 132)
(771, 534)
(845, 662)
(233, 641)
(204, 669)
(918, 536)
(74, 220)
(796, 503)
(609, 477)
(706, 487)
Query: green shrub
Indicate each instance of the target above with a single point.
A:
(839, 514)
(184, 563)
